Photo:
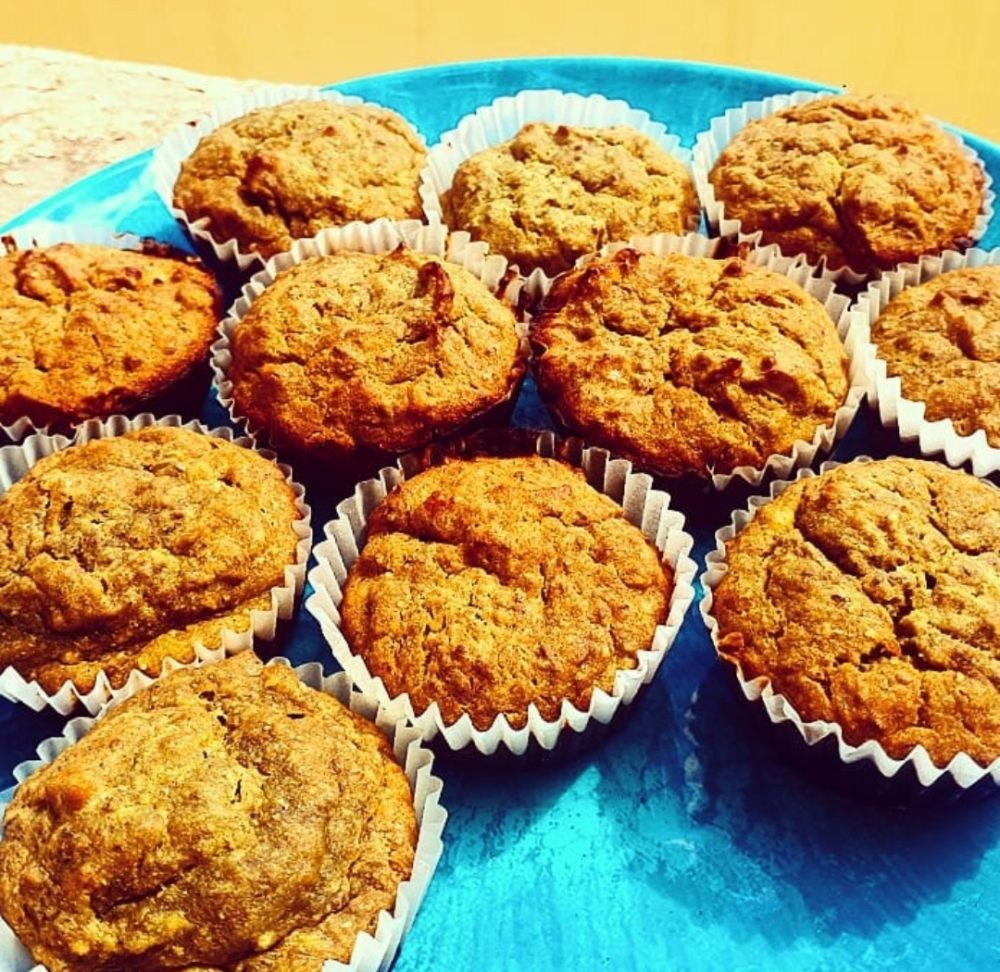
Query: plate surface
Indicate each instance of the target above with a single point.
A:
(687, 839)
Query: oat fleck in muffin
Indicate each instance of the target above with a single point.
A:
(553, 193)
(489, 584)
(355, 353)
(942, 338)
(87, 330)
(860, 180)
(281, 173)
(125, 551)
(228, 819)
(687, 365)
(870, 597)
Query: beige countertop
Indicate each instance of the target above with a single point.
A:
(64, 115)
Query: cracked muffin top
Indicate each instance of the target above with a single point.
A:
(353, 353)
(869, 596)
(490, 584)
(942, 339)
(553, 193)
(277, 174)
(687, 365)
(224, 819)
(87, 330)
(124, 551)
(860, 180)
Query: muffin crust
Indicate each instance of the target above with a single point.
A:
(870, 597)
(225, 819)
(124, 551)
(553, 193)
(685, 364)
(942, 339)
(87, 330)
(489, 584)
(860, 180)
(280, 173)
(356, 352)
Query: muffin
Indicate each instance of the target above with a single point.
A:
(88, 331)
(490, 584)
(858, 180)
(284, 172)
(942, 340)
(349, 357)
(687, 365)
(869, 597)
(554, 192)
(122, 552)
(226, 818)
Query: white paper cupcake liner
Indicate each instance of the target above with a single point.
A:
(644, 507)
(907, 415)
(44, 233)
(16, 460)
(963, 770)
(166, 164)
(800, 272)
(371, 952)
(380, 236)
(721, 131)
(502, 119)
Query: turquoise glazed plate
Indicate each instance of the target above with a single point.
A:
(689, 838)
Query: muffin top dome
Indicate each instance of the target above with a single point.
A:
(124, 551)
(87, 331)
(356, 352)
(858, 180)
(555, 192)
(490, 584)
(869, 597)
(284, 172)
(687, 365)
(227, 818)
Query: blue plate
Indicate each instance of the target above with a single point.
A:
(687, 839)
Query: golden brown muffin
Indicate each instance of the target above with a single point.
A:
(355, 352)
(225, 818)
(553, 193)
(489, 584)
(870, 597)
(87, 330)
(942, 339)
(125, 551)
(685, 364)
(860, 180)
(281, 173)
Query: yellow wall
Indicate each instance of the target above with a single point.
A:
(943, 56)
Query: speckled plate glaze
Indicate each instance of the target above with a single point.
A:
(687, 840)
